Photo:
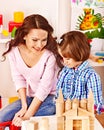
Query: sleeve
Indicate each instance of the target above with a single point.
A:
(18, 79)
(48, 81)
(60, 82)
(94, 83)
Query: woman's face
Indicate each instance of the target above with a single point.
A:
(36, 40)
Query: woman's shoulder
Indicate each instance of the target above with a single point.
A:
(13, 50)
(48, 58)
(48, 54)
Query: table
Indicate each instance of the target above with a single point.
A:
(97, 125)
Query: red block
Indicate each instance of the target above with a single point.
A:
(12, 24)
(0, 102)
(1, 19)
(3, 125)
(12, 127)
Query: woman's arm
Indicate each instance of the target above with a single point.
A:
(34, 106)
(22, 111)
(22, 95)
(48, 80)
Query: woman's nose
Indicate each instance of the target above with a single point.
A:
(39, 44)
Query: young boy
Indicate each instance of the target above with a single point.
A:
(77, 76)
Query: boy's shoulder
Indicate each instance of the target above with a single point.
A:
(90, 71)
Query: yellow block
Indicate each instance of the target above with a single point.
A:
(100, 60)
(13, 99)
(5, 32)
(18, 17)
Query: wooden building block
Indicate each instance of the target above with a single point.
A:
(61, 98)
(59, 108)
(72, 112)
(60, 104)
(44, 124)
(68, 104)
(60, 123)
(55, 123)
(82, 112)
(69, 124)
(32, 125)
(85, 124)
(90, 102)
(92, 122)
(83, 104)
(77, 123)
(75, 103)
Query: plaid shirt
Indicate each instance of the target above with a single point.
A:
(76, 83)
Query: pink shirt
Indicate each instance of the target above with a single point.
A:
(40, 80)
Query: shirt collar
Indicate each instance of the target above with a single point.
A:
(81, 67)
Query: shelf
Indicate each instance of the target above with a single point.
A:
(95, 64)
(4, 39)
(92, 63)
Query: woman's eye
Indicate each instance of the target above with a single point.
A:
(44, 40)
(34, 40)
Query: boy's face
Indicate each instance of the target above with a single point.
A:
(71, 63)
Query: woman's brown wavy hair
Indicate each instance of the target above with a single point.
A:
(34, 21)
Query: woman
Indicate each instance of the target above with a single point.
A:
(34, 63)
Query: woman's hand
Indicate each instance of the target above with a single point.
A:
(17, 121)
(21, 112)
(18, 116)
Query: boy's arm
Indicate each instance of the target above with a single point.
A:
(94, 82)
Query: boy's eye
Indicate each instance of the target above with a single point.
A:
(67, 58)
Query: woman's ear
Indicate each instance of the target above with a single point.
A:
(24, 38)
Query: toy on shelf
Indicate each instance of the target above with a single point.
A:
(1, 22)
(4, 101)
(5, 33)
(18, 18)
(13, 99)
(98, 57)
(13, 32)
(101, 57)
(13, 24)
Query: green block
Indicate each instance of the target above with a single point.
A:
(13, 32)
